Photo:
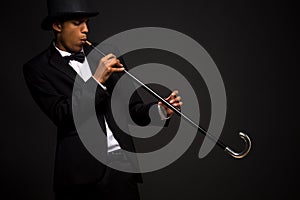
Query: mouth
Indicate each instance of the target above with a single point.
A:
(83, 40)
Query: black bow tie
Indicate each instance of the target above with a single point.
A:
(79, 56)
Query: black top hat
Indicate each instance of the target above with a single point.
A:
(66, 9)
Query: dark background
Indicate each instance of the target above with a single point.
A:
(253, 43)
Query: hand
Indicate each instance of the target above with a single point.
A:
(174, 100)
(107, 65)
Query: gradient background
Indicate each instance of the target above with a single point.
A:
(255, 47)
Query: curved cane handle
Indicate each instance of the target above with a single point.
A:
(246, 149)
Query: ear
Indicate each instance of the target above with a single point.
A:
(57, 26)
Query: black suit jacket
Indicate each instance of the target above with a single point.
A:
(50, 80)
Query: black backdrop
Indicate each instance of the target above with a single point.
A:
(254, 45)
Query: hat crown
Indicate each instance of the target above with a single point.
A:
(67, 6)
(66, 9)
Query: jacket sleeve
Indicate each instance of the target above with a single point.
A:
(58, 107)
(138, 109)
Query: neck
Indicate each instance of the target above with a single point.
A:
(60, 46)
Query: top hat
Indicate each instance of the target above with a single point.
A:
(66, 9)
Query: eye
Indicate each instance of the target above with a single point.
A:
(77, 22)
(80, 21)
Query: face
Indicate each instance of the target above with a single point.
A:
(71, 34)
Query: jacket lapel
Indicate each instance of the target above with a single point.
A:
(57, 61)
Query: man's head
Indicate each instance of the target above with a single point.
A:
(68, 19)
(71, 34)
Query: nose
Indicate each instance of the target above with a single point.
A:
(85, 28)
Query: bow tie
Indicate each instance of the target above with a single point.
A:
(79, 56)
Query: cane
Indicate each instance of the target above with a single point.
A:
(227, 149)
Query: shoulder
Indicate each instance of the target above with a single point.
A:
(37, 61)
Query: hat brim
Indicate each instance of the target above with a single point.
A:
(48, 21)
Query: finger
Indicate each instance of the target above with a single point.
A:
(177, 104)
(174, 93)
(114, 63)
(119, 63)
(168, 98)
(177, 99)
(113, 69)
(109, 56)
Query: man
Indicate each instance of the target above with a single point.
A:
(50, 78)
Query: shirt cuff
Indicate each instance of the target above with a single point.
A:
(162, 112)
(104, 88)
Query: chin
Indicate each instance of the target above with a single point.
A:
(77, 48)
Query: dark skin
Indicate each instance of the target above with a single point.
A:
(71, 35)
